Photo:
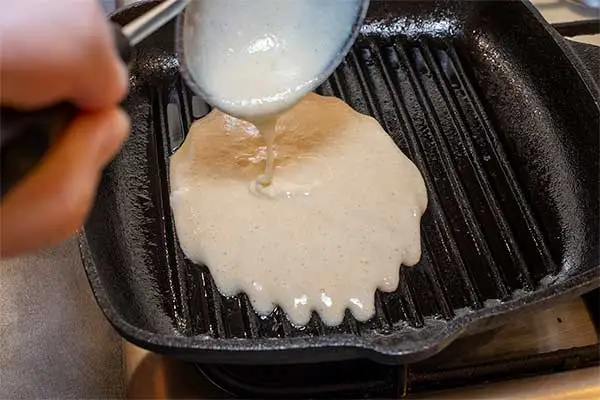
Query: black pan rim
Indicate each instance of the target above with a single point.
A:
(392, 352)
(591, 84)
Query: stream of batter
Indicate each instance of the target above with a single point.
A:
(324, 226)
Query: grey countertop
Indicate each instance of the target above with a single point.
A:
(55, 341)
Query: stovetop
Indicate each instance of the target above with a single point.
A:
(543, 342)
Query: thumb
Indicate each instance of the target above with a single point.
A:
(53, 201)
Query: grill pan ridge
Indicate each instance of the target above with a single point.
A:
(505, 228)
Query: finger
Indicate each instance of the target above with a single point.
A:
(59, 50)
(54, 200)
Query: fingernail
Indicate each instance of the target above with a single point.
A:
(124, 77)
(114, 135)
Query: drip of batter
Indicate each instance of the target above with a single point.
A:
(266, 127)
(254, 59)
(340, 216)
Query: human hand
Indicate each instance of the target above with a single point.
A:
(54, 51)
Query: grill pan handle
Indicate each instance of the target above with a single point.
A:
(25, 136)
(577, 28)
(587, 53)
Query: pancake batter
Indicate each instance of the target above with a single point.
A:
(339, 218)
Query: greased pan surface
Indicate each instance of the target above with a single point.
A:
(488, 101)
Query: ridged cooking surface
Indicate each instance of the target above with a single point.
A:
(476, 218)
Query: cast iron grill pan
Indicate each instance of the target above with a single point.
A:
(492, 106)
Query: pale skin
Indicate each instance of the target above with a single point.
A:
(52, 51)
